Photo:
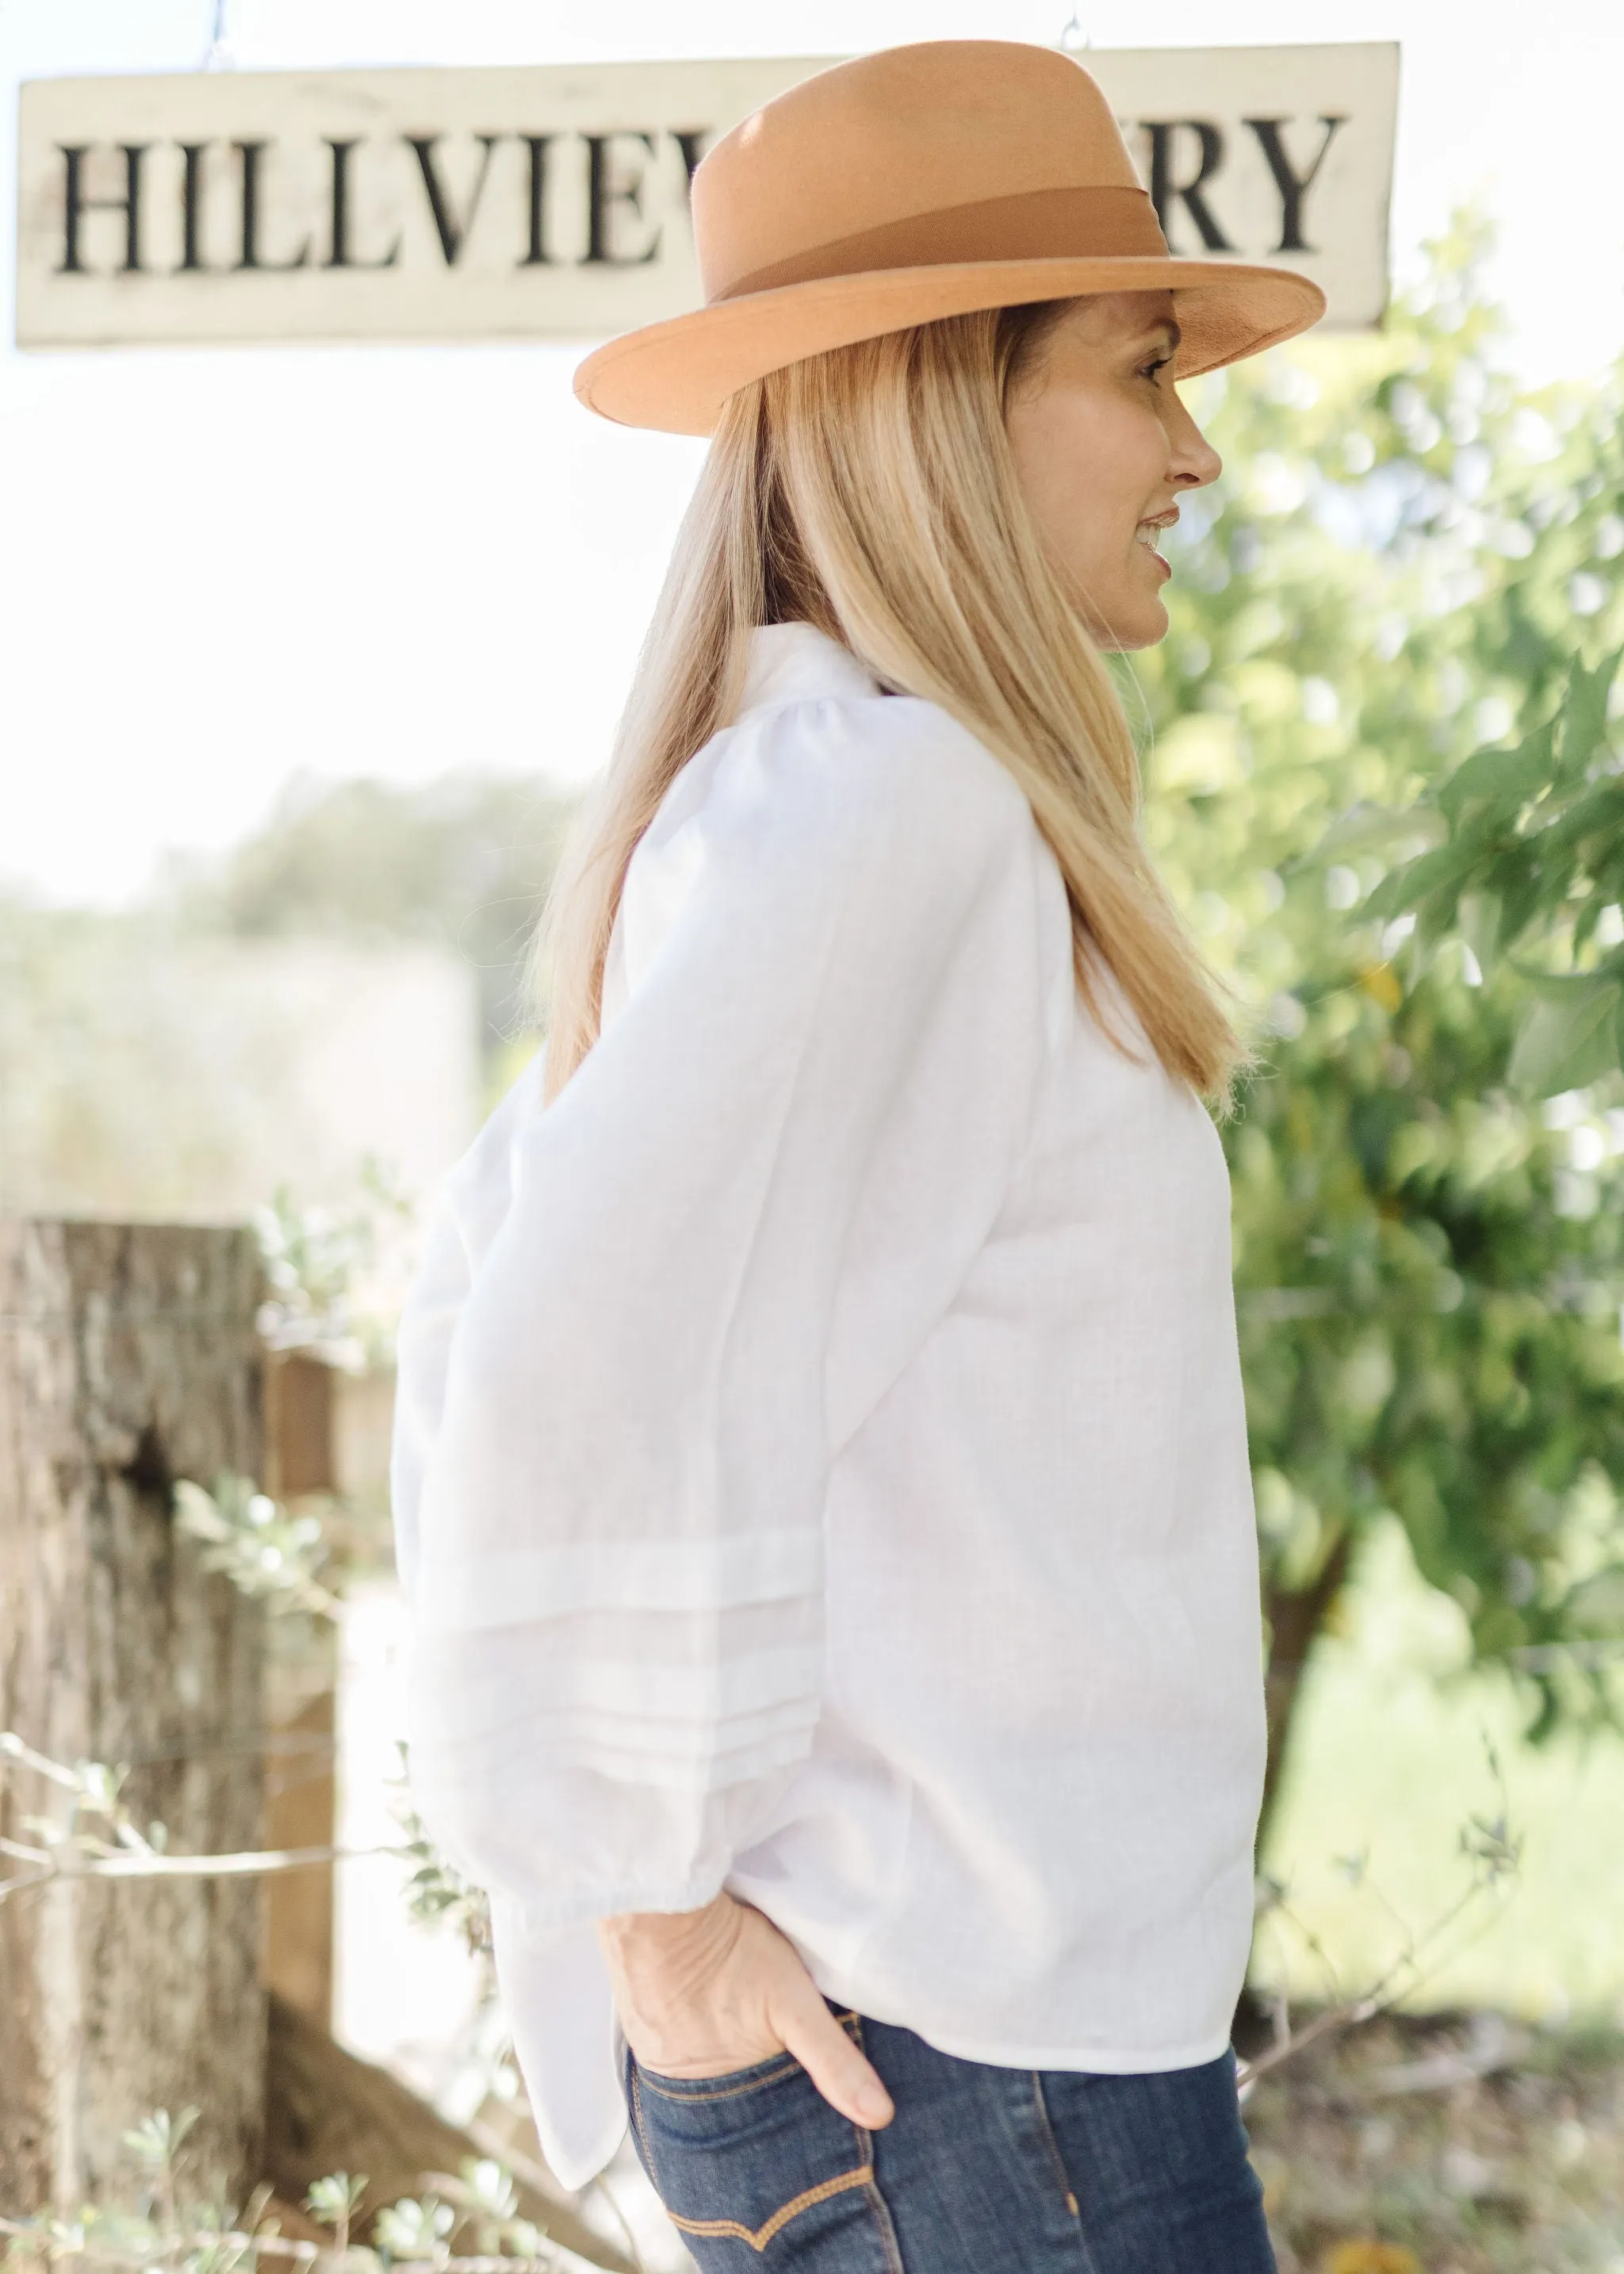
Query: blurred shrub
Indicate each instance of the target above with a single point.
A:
(1403, 565)
(462, 862)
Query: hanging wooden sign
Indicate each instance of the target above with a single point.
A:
(551, 203)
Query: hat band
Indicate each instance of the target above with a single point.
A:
(1088, 223)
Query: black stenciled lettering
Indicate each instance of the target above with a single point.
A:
(191, 206)
(453, 231)
(690, 141)
(1293, 187)
(253, 154)
(75, 205)
(604, 193)
(536, 256)
(1164, 189)
(339, 255)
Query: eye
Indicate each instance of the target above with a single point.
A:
(1155, 367)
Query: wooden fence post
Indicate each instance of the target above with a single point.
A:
(301, 1704)
(128, 1358)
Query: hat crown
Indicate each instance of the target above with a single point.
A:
(889, 136)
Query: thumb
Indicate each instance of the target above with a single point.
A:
(847, 2080)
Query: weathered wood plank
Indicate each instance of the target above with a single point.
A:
(301, 1408)
(128, 1357)
(300, 1813)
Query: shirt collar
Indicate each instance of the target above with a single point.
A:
(797, 663)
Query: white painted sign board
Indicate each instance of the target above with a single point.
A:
(552, 203)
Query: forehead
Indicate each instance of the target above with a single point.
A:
(1102, 318)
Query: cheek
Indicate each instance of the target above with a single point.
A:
(1091, 472)
(1132, 466)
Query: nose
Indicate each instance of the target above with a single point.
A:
(1194, 462)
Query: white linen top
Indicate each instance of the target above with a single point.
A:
(820, 1467)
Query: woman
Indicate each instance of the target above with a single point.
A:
(821, 1470)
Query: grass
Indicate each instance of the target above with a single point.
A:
(1388, 1762)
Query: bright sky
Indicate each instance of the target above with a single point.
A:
(221, 567)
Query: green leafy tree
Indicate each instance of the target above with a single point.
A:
(1428, 1263)
(1532, 858)
(463, 862)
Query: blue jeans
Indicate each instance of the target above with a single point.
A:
(982, 2170)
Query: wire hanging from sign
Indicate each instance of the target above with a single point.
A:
(219, 54)
(1075, 37)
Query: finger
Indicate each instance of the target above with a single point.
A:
(847, 2080)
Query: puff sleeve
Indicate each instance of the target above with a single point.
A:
(652, 1311)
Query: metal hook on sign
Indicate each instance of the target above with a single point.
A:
(219, 54)
(1074, 38)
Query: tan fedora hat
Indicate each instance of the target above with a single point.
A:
(917, 183)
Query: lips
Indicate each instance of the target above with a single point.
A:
(1151, 527)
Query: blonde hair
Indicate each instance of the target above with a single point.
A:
(872, 491)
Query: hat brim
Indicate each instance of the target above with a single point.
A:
(675, 376)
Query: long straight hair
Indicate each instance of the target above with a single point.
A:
(872, 491)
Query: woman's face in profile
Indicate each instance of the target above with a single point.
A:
(1103, 447)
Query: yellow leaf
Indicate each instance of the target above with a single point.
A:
(1361, 2255)
(1380, 981)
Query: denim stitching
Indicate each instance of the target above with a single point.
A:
(782, 2065)
(1047, 2130)
(786, 2067)
(877, 2203)
(637, 2105)
(759, 2236)
(640, 2127)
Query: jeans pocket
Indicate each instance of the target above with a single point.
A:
(756, 2164)
(731, 2082)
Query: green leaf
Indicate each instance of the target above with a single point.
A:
(1407, 888)
(1436, 914)
(1368, 828)
(1584, 712)
(1504, 778)
(1528, 889)
(489, 2186)
(158, 2138)
(1596, 1605)
(414, 2226)
(1595, 820)
(1479, 919)
(1568, 1036)
(335, 2196)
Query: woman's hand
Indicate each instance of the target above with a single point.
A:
(702, 1992)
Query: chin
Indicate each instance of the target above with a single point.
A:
(1141, 626)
